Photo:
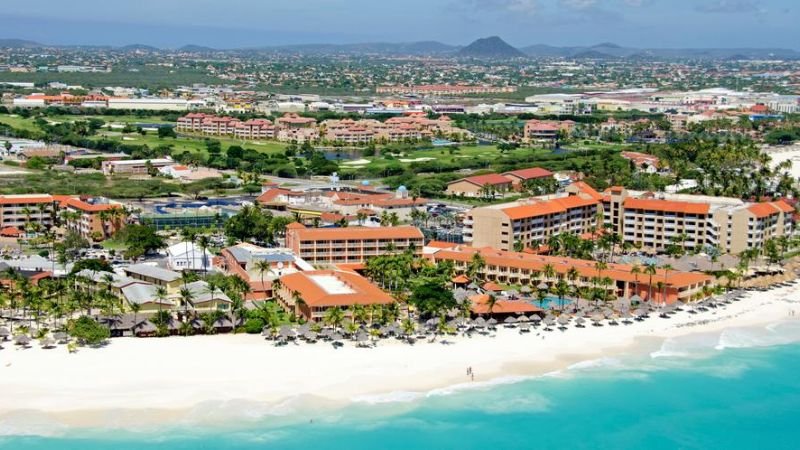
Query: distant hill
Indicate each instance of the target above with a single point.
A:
(385, 48)
(19, 43)
(138, 47)
(196, 49)
(609, 50)
(491, 47)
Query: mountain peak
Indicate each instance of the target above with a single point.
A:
(490, 47)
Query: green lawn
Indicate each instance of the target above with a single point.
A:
(18, 122)
(186, 143)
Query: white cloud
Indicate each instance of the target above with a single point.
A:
(526, 7)
(578, 4)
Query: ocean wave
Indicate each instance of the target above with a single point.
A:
(780, 333)
(595, 364)
(390, 397)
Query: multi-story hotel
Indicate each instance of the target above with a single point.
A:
(532, 221)
(693, 221)
(88, 220)
(351, 244)
(528, 270)
(651, 222)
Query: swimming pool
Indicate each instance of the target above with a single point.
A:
(549, 301)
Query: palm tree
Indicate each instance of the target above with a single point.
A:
(187, 300)
(636, 271)
(549, 272)
(298, 302)
(204, 241)
(666, 268)
(135, 307)
(475, 266)
(650, 270)
(161, 296)
(334, 317)
(263, 266)
(491, 302)
(189, 235)
(561, 289)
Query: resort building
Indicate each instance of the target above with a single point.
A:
(530, 222)
(546, 130)
(188, 256)
(155, 275)
(212, 125)
(134, 166)
(650, 222)
(309, 295)
(93, 218)
(528, 270)
(245, 260)
(694, 221)
(352, 244)
(480, 186)
(520, 177)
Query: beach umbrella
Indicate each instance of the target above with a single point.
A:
(563, 320)
(336, 337)
(4, 333)
(60, 336)
(641, 312)
(597, 318)
(536, 318)
(523, 319)
(525, 289)
(22, 339)
(510, 320)
(362, 337)
(491, 322)
(303, 328)
(580, 314)
(635, 298)
(580, 321)
(480, 322)
(310, 336)
(48, 343)
(542, 286)
(432, 322)
(286, 332)
(524, 326)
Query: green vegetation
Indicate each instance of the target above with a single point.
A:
(87, 331)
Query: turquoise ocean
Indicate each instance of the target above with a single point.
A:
(739, 389)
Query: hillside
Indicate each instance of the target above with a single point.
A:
(492, 48)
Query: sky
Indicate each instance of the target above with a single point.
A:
(254, 23)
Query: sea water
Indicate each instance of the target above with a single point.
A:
(738, 389)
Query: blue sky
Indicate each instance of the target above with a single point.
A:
(248, 23)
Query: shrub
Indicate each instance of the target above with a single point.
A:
(253, 326)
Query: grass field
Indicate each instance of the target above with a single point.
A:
(151, 139)
(18, 122)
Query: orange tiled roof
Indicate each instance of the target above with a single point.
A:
(586, 268)
(531, 173)
(548, 207)
(481, 180)
(666, 206)
(314, 295)
(480, 306)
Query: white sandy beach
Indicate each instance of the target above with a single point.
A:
(169, 375)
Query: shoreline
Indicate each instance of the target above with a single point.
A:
(233, 379)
